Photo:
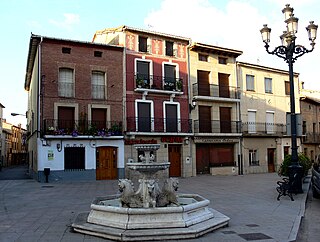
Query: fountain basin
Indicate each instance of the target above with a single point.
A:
(108, 220)
(148, 167)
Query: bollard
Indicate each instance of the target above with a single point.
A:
(46, 172)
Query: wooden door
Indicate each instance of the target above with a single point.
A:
(271, 153)
(175, 160)
(205, 119)
(225, 120)
(106, 163)
(224, 85)
(203, 158)
(203, 83)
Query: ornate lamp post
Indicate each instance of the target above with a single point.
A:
(290, 52)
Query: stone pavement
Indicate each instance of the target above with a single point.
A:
(32, 211)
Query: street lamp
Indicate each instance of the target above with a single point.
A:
(290, 52)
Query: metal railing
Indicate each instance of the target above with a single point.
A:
(159, 82)
(253, 128)
(212, 90)
(159, 125)
(312, 138)
(81, 127)
(217, 126)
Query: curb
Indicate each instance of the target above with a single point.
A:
(297, 222)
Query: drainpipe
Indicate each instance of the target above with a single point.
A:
(39, 113)
(193, 172)
(240, 155)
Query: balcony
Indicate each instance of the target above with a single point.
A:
(311, 138)
(159, 125)
(216, 91)
(217, 126)
(258, 129)
(81, 128)
(158, 83)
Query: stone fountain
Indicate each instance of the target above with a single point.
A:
(150, 212)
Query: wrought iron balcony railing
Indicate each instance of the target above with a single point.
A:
(159, 125)
(253, 128)
(81, 127)
(217, 126)
(212, 90)
(311, 138)
(158, 82)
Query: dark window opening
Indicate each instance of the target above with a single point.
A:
(287, 87)
(98, 54)
(66, 50)
(143, 44)
(222, 60)
(74, 158)
(203, 57)
(169, 48)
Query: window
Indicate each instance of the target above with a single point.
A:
(143, 44)
(143, 74)
(169, 48)
(169, 77)
(222, 60)
(253, 158)
(304, 127)
(287, 87)
(252, 122)
(66, 50)
(74, 158)
(268, 85)
(270, 122)
(250, 82)
(99, 118)
(171, 118)
(66, 83)
(203, 57)
(66, 122)
(144, 117)
(97, 54)
(98, 85)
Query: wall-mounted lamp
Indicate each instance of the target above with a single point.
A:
(18, 114)
(59, 146)
(193, 104)
(186, 141)
(45, 142)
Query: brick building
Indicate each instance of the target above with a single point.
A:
(157, 101)
(75, 109)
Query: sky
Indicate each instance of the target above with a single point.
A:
(233, 24)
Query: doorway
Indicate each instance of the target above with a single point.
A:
(106, 163)
(271, 155)
(175, 160)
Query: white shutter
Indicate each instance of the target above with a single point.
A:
(251, 122)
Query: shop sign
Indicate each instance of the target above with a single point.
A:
(214, 140)
(171, 139)
(139, 141)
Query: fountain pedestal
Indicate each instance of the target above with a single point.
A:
(150, 213)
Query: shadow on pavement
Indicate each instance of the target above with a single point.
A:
(19, 172)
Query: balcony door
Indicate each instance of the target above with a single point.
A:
(144, 117)
(270, 122)
(252, 122)
(169, 77)
(143, 73)
(224, 85)
(66, 118)
(171, 118)
(203, 83)
(225, 119)
(205, 119)
(98, 118)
